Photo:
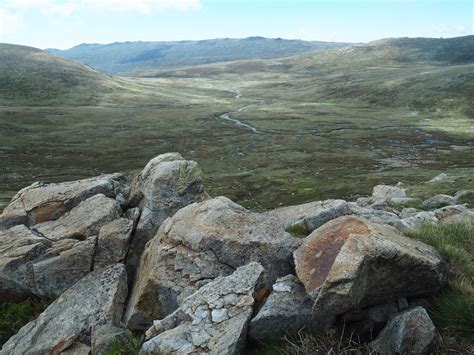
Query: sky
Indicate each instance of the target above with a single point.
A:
(66, 23)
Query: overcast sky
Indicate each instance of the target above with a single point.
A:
(66, 23)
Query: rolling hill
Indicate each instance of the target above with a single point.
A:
(125, 57)
(30, 76)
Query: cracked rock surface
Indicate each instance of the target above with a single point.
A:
(211, 321)
(97, 299)
(200, 242)
(351, 263)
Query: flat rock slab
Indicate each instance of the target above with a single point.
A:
(97, 299)
(350, 263)
(43, 202)
(211, 321)
(80, 223)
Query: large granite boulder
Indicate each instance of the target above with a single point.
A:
(43, 202)
(350, 263)
(212, 320)
(410, 332)
(97, 299)
(167, 183)
(199, 243)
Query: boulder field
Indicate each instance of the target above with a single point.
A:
(195, 274)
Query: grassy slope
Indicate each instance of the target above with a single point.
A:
(332, 124)
(31, 76)
(129, 56)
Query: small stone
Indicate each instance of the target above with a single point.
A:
(231, 298)
(219, 315)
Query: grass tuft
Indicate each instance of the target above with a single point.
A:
(14, 315)
(297, 231)
(129, 344)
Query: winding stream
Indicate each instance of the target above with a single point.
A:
(226, 116)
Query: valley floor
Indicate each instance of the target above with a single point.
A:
(256, 138)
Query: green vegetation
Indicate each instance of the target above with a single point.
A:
(458, 180)
(331, 124)
(129, 344)
(14, 315)
(452, 310)
(297, 230)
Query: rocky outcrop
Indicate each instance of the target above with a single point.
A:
(52, 235)
(287, 310)
(48, 258)
(166, 184)
(350, 263)
(43, 202)
(410, 332)
(97, 299)
(201, 268)
(212, 320)
(199, 243)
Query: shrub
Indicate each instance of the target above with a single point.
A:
(14, 315)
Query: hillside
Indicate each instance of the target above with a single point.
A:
(129, 56)
(30, 76)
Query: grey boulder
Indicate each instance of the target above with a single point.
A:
(410, 332)
(97, 299)
(43, 202)
(212, 320)
(167, 183)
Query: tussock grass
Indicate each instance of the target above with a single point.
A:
(327, 343)
(452, 310)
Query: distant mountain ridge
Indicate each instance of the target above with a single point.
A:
(125, 57)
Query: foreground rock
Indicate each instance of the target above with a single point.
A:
(287, 310)
(96, 299)
(166, 184)
(42, 202)
(410, 332)
(80, 223)
(212, 320)
(199, 243)
(52, 256)
(350, 263)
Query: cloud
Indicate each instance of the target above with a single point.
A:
(69, 7)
